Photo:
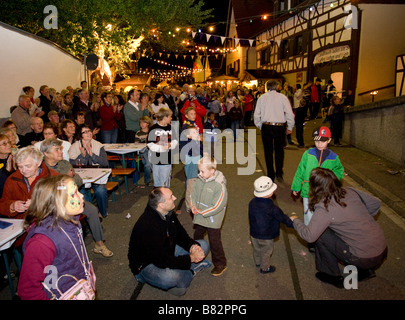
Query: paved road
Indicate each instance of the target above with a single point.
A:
(294, 278)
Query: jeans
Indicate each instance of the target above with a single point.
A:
(109, 136)
(191, 166)
(171, 278)
(162, 175)
(234, 126)
(100, 191)
(147, 166)
(307, 213)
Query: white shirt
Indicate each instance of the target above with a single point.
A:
(297, 98)
(134, 104)
(273, 107)
(156, 108)
(65, 144)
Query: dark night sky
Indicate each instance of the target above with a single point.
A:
(220, 14)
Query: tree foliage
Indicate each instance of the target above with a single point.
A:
(113, 29)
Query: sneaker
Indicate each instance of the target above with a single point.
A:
(201, 266)
(219, 270)
(337, 281)
(268, 270)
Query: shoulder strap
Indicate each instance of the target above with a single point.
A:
(83, 262)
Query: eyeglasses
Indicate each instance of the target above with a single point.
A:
(5, 143)
(86, 131)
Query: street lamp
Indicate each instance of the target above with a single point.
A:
(373, 94)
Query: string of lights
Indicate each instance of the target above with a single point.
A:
(267, 16)
(164, 74)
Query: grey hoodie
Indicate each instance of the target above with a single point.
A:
(210, 196)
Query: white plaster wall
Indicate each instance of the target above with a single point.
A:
(26, 61)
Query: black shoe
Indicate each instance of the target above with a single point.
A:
(337, 281)
(311, 247)
(279, 178)
(365, 274)
(268, 270)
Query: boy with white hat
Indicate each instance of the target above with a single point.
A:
(265, 218)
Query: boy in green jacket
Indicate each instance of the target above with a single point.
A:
(208, 204)
(320, 156)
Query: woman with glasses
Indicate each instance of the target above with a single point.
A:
(90, 152)
(13, 137)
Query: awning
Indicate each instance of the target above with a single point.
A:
(223, 78)
(138, 80)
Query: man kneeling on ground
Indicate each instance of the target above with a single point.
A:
(161, 253)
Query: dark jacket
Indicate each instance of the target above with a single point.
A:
(88, 118)
(45, 103)
(153, 240)
(265, 218)
(31, 137)
(235, 114)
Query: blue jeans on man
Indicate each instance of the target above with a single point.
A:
(173, 278)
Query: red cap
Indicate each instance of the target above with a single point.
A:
(322, 134)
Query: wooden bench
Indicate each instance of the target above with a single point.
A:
(117, 158)
(134, 160)
(113, 158)
(117, 172)
(110, 186)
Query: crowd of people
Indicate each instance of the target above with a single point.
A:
(48, 135)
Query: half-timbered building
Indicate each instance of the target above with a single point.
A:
(304, 40)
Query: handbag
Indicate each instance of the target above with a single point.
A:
(83, 289)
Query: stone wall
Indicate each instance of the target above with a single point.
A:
(378, 128)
